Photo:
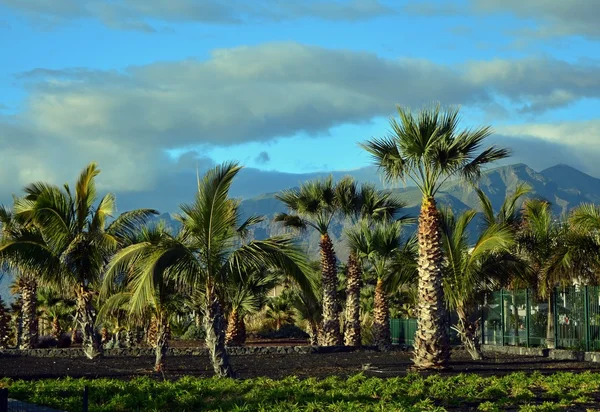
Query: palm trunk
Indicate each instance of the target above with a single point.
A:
(29, 327)
(331, 322)
(469, 333)
(161, 344)
(4, 325)
(354, 282)
(214, 326)
(381, 316)
(56, 329)
(236, 329)
(550, 335)
(313, 333)
(86, 316)
(431, 340)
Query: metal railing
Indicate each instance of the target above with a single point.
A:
(568, 318)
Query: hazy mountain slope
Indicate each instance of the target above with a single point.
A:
(565, 186)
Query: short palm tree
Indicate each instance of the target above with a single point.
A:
(470, 270)
(378, 244)
(21, 248)
(208, 251)
(143, 288)
(246, 294)
(79, 241)
(308, 308)
(314, 205)
(428, 149)
(543, 242)
(372, 205)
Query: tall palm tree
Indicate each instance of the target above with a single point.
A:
(79, 240)
(372, 205)
(469, 270)
(208, 251)
(428, 149)
(314, 205)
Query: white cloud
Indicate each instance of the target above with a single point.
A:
(126, 120)
(552, 17)
(137, 14)
(552, 143)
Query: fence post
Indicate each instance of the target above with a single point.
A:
(4, 400)
(555, 309)
(85, 399)
(527, 315)
(586, 317)
(483, 318)
(502, 316)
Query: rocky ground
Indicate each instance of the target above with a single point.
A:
(384, 364)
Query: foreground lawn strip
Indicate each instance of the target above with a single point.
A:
(518, 391)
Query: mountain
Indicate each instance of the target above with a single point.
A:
(564, 186)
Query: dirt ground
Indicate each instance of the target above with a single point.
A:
(383, 364)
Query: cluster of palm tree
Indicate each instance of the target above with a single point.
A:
(121, 274)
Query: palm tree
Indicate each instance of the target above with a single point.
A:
(510, 215)
(279, 311)
(428, 149)
(469, 270)
(372, 205)
(208, 251)
(543, 243)
(378, 244)
(314, 205)
(4, 325)
(21, 248)
(145, 288)
(77, 241)
(246, 294)
(308, 308)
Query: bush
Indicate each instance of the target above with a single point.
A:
(286, 331)
(194, 333)
(64, 341)
(45, 342)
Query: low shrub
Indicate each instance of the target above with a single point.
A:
(193, 333)
(285, 332)
(413, 392)
(45, 342)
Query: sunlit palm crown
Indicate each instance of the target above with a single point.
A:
(428, 149)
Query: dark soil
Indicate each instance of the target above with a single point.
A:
(384, 364)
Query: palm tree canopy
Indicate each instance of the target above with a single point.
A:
(209, 250)
(376, 243)
(509, 212)
(314, 204)
(73, 230)
(428, 149)
(482, 266)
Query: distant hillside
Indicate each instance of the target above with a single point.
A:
(564, 186)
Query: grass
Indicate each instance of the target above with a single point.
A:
(519, 391)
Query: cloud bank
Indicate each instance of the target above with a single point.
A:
(138, 14)
(126, 120)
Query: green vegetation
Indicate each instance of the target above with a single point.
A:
(519, 391)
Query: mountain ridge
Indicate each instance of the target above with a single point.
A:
(563, 185)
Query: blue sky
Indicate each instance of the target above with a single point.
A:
(281, 85)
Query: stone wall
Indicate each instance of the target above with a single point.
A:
(233, 351)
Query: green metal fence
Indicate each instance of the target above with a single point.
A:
(520, 318)
(403, 331)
